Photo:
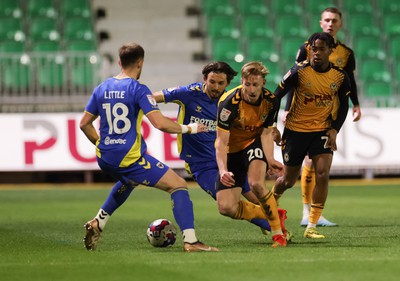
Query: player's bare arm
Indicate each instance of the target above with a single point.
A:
(159, 121)
(221, 144)
(87, 127)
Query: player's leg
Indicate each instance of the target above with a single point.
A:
(322, 163)
(256, 177)
(182, 208)
(118, 195)
(294, 149)
(307, 188)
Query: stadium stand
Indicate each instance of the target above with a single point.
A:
(371, 29)
(37, 63)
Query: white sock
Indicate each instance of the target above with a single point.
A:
(189, 235)
(313, 225)
(102, 216)
(306, 210)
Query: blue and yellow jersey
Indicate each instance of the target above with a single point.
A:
(121, 104)
(194, 107)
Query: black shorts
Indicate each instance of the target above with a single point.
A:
(238, 163)
(296, 145)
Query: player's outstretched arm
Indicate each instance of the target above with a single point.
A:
(159, 121)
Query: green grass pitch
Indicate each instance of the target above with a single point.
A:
(41, 231)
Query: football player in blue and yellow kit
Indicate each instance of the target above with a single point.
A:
(317, 112)
(121, 102)
(198, 102)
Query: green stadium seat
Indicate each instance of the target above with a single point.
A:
(249, 8)
(274, 76)
(44, 29)
(286, 7)
(50, 70)
(378, 89)
(374, 70)
(11, 29)
(78, 29)
(237, 66)
(217, 7)
(363, 24)
(394, 48)
(289, 49)
(388, 6)
(369, 47)
(358, 6)
(391, 24)
(222, 26)
(46, 46)
(10, 9)
(16, 74)
(226, 49)
(256, 26)
(42, 8)
(76, 8)
(315, 7)
(289, 25)
(84, 63)
(12, 47)
(260, 49)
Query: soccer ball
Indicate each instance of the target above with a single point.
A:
(161, 233)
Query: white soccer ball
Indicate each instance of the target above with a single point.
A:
(161, 233)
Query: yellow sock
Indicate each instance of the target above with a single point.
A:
(315, 212)
(248, 211)
(307, 184)
(271, 210)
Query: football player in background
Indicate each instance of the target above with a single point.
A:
(120, 102)
(245, 150)
(343, 57)
(317, 112)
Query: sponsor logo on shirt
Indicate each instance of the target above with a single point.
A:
(110, 141)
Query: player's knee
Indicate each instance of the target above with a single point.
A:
(226, 209)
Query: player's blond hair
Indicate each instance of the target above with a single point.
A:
(254, 68)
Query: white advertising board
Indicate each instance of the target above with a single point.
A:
(54, 142)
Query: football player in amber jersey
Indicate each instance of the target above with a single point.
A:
(121, 102)
(343, 57)
(198, 102)
(245, 149)
(316, 114)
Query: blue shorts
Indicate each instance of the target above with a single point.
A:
(147, 171)
(206, 174)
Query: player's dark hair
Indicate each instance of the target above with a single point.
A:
(219, 67)
(323, 36)
(130, 53)
(332, 10)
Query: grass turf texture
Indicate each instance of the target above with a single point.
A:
(41, 237)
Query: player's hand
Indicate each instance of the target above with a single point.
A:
(356, 113)
(331, 143)
(277, 136)
(227, 179)
(284, 117)
(275, 168)
(194, 128)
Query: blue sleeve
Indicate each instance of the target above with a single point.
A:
(178, 94)
(145, 99)
(91, 106)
